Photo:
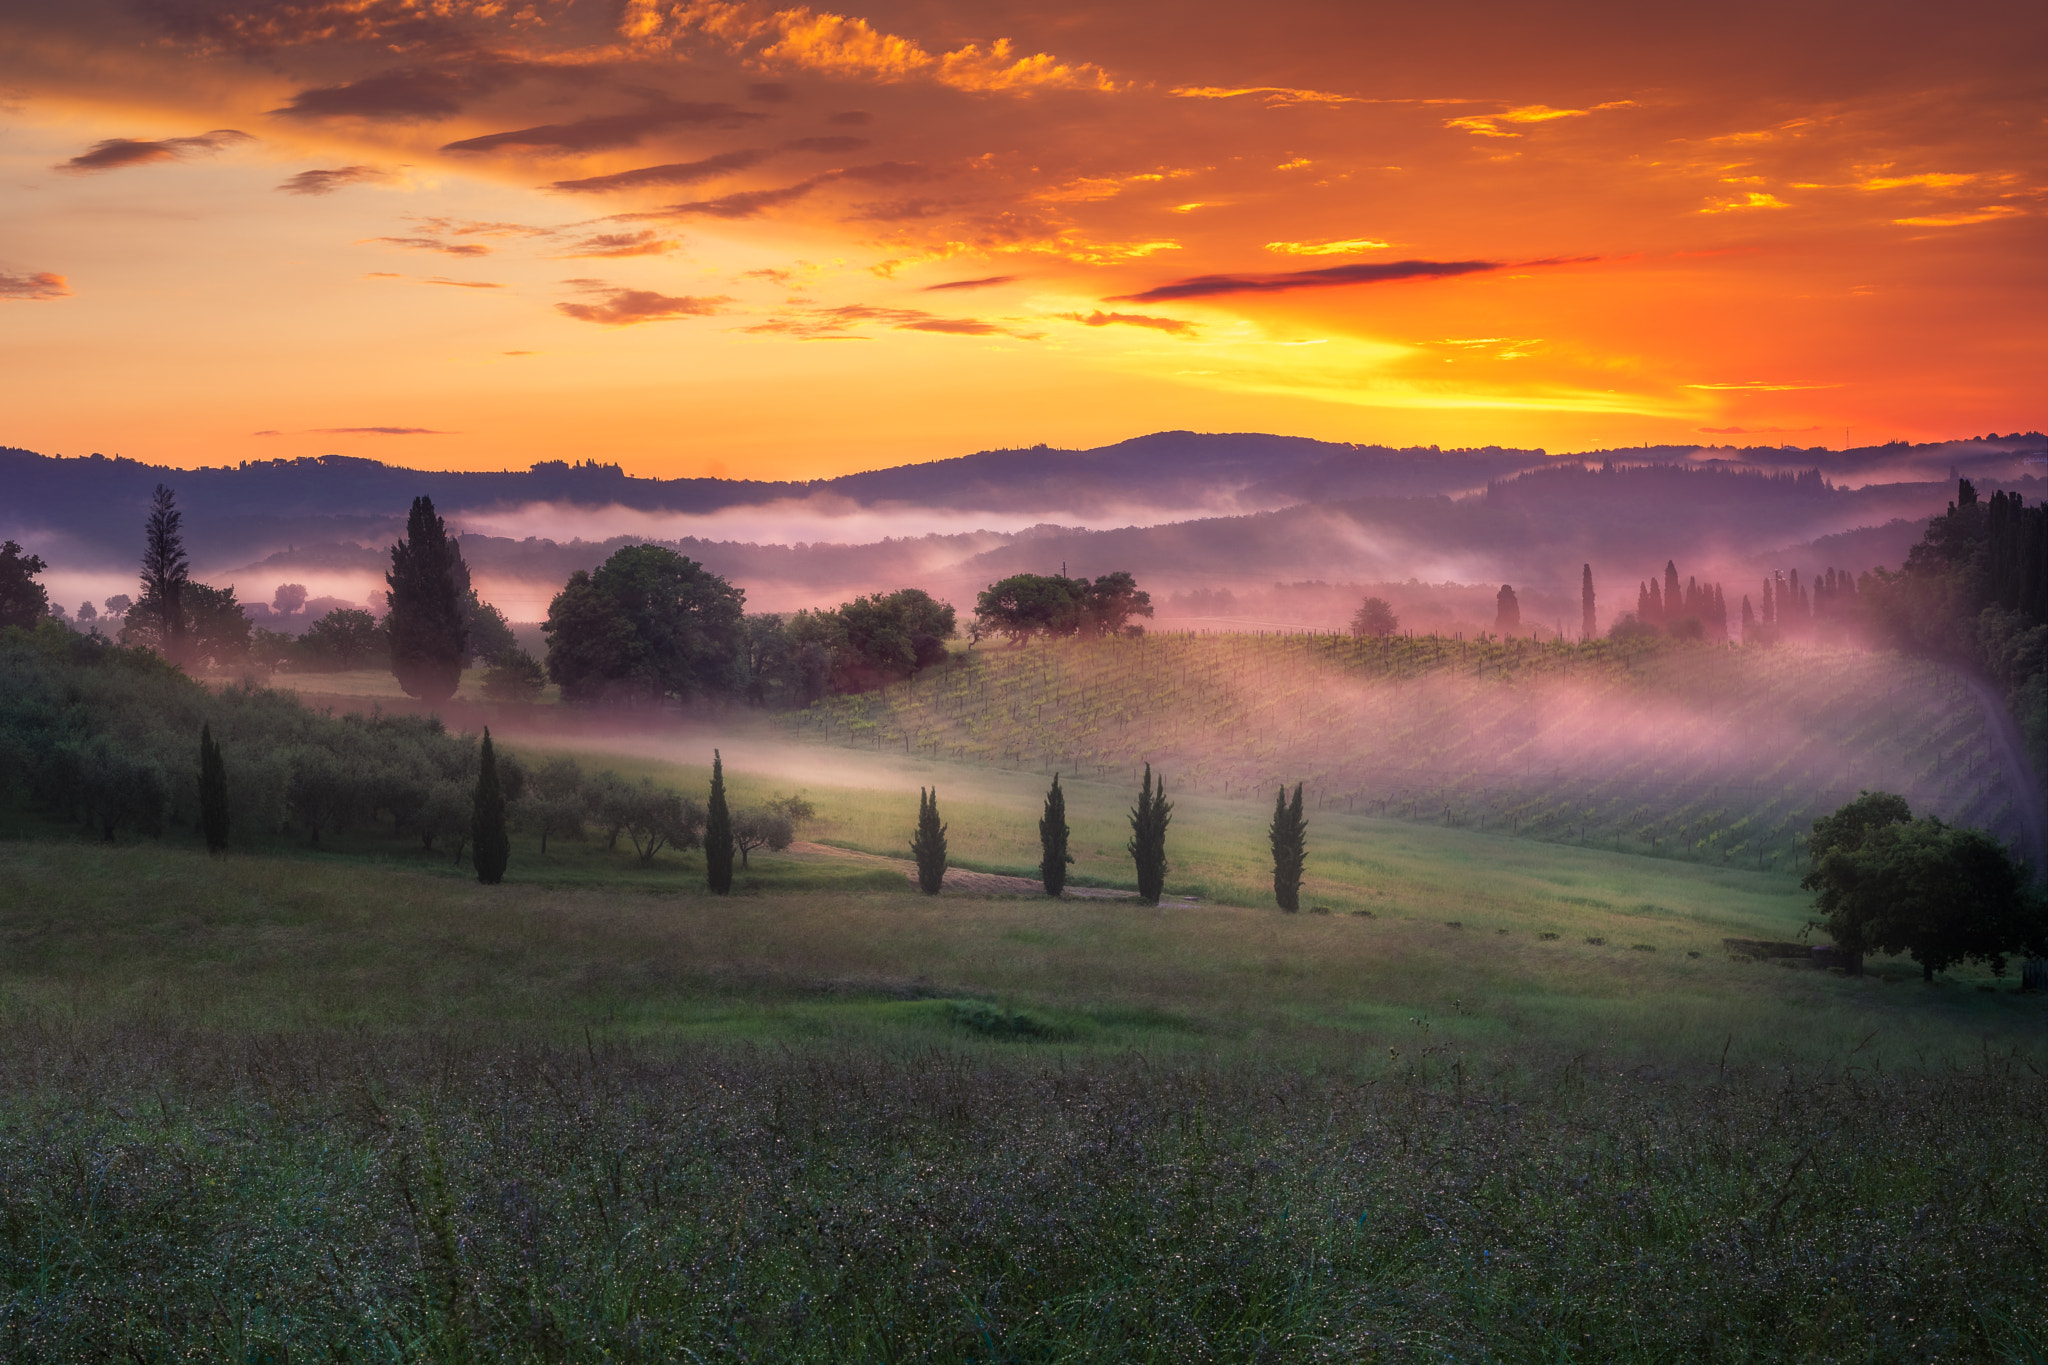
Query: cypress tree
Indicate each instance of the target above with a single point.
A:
(1052, 840)
(718, 845)
(428, 585)
(1674, 602)
(165, 570)
(929, 847)
(1588, 624)
(1290, 848)
(213, 793)
(1149, 819)
(491, 845)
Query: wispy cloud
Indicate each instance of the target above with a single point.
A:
(117, 152)
(328, 181)
(374, 431)
(408, 93)
(1346, 246)
(1207, 286)
(1098, 318)
(1276, 95)
(1755, 199)
(41, 285)
(1990, 213)
(619, 244)
(675, 173)
(433, 244)
(985, 282)
(1489, 125)
(838, 322)
(626, 307)
(601, 131)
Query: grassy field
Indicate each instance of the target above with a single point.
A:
(1506, 1100)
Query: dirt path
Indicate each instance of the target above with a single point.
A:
(978, 883)
(2019, 775)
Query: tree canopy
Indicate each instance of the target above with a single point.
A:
(1024, 605)
(23, 601)
(429, 587)
(647, 626)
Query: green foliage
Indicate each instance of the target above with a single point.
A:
(756, 827)
(429, 589)
(344, 638)
(1149, 819)
(1884, 882)
(23, 601)
(487, 634)
(1289, 837)
(212, 627)
(648, 626)
(928, 845)
(165, 572)
(489, 837)
(1053, 859)
(1026, 605)
(514, 676)
(990, 1021)
(213, 793)
(718, 840)
(1375, 619)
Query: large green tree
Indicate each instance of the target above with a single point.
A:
(1027, 604)
(428, 591)
(1884, 882)
(649, 625)
(23, 601)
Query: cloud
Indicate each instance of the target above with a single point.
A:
(770, 92)
(432, 244)
(851, 118)
(601, 131)
(328, 181)
(1933, 180)
(886, 173)
(901, 210)
(117, 152)
(1753, 200)
(1206, 286)
(1990, 213)
(1488, 125)
(461, 284)
(740, 204)
(1345, 247)
(619, 244)
(41, 285)
(1098, 318)
(625, 307)
(404, 93)
(371, 431)
(984, 282)
(825, 144)
(850, 48)
(819, 324)
(1274, 95)
(675, 173)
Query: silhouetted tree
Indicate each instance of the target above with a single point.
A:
(1507, 611)
(343, 637)
(1113, 599)
(718, 845)
(428, 583)
(1588, 622)
(1674, 597)
(213, 793)
(492, 844)
(515, 676)
(165, 570)
(1053, 858)
(1289, 836)
(761, 828)
(648, 625)
(23, 601)
(216, 629)
(1149, 819)
(288, 598)
(1374, 617)
(928, 846)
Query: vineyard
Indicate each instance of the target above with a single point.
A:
(1712, 754)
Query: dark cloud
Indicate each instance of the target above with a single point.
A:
(408, 92)
(852, 118)
(601, 131)
(327, 182)
(1206, 286)
(1098, 318)
(41, 285)
(624, 307)
(675, 173)
(770, 92)
(889, 173)
(966, 327)
(742, 204)
(253, 26)
(117, 152)
(825, 144)
(901, 210)
(434, 244)
(983, 283)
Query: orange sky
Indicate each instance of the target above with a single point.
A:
(738, 239)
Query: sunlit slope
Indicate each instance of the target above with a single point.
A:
(1713, 753)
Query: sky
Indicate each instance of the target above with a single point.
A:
(730, 238)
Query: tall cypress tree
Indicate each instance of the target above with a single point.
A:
(1290, 848)
(213, 793)
(1588, 624)
(929, 846)
(1149, 819)
(165, 570)
(491, 845)
(1052, 840)
(428, 584)
(718, 844)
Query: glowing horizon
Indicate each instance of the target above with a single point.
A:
(734, 239)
